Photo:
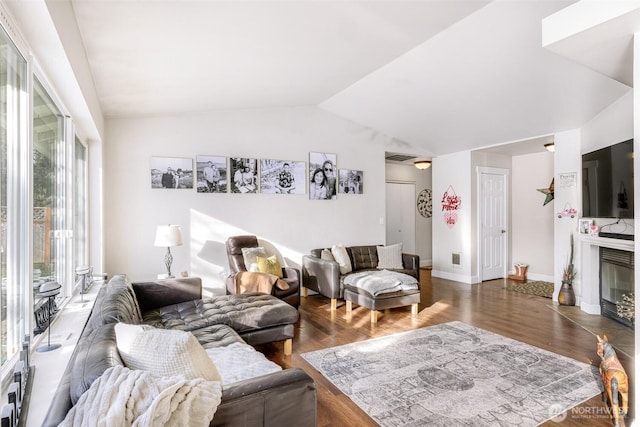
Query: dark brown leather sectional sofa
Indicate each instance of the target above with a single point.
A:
(274, 399)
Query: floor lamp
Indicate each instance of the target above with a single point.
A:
(49, 290)
(168, 236)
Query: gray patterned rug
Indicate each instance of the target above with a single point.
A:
(454, 374)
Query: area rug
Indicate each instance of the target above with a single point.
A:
(538, 288)
(454, 374)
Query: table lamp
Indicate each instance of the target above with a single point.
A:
(168, 236)
(49, 290)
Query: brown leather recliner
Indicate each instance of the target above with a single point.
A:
(290, 275)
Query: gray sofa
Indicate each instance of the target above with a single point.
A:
(270, 400)
(324, 277)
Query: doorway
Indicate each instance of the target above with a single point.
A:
(492, 219)
(401, 216)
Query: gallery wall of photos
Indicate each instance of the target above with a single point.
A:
(217, 174)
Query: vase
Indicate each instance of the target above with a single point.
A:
(566, 296)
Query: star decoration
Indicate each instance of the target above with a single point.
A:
(548, 192)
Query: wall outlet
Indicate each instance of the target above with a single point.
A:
(455, 258)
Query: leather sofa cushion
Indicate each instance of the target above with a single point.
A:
(115, 302)
(216, 336)
(242, 312)
(94, 355)
(363, 257)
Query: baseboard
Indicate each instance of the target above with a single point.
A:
(590, 308)
(541, 277)
(452, 276)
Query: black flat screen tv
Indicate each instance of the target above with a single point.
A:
(607, 182)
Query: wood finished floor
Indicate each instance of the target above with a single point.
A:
(488, 305)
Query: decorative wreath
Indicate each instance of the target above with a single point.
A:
(425, 203)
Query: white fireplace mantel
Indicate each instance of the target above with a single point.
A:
(590, 268)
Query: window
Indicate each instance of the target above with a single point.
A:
(80, 193)
(13, 100)
(49, 236)
(43, 200)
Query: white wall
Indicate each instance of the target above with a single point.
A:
(531, 222)
(294, 224)
(422, 178)
(567, 160)
(614, 124)
(452, 170)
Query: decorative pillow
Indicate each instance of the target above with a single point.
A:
(326, 255)
(341, 256)
(250, 255)
(164, 352)
(390, 256)
(269, 265)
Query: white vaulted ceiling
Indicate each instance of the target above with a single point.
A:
(441, 76)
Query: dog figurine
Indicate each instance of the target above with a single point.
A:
(614, 379)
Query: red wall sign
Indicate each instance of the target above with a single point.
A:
(450, 204)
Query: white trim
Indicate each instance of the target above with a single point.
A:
(590, 308)
(12, 29)
(455, 277)
(541, 277)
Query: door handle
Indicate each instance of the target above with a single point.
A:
(503, 231)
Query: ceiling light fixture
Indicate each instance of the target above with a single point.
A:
(550, 147)
(422, 164)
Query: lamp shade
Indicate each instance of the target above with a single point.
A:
(49, 289)
(168, 235)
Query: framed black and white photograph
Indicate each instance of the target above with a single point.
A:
(171, 172)
(350, 181)
(211, 174)
(244, 175)
(282, 177)
(323, 174)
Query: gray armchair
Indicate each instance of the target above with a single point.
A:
(324, 277)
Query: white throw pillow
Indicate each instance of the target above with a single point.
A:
(390, 256)
(341, 256)
(250, 256)
(164, 352)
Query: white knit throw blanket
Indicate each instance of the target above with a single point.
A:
(125, 397)
(381, 281)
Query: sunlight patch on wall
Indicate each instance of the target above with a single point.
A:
(209, 256)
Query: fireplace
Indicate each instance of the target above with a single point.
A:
(616, 280)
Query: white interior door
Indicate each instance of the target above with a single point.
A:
(493, 223)
(401, 215)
